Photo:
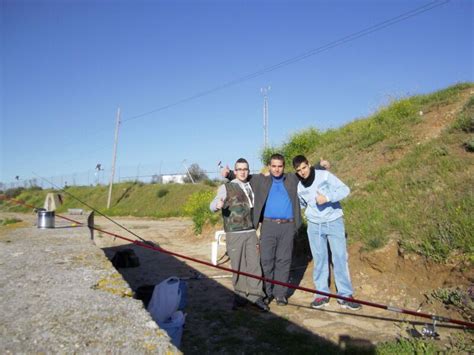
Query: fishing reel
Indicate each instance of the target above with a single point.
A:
(429, 331)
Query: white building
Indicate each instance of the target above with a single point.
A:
(175, 178)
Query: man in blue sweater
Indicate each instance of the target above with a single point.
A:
(319, 193)
(277, 208)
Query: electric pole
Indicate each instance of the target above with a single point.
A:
(117, 124)
(264, 92)
(189, 174)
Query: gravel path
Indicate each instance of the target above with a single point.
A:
(60, 294)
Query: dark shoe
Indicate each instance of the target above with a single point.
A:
(260, 304)
(319, 302)
(353, 306)
(239, 302)
(281, 301)
(268, 299)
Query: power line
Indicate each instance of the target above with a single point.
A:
(349, 38)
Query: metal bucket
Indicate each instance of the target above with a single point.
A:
(45, 218)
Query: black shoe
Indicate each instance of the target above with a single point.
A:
(281, 301)
(239, 302)
(353, 306)
(268, 299)
(260, 304)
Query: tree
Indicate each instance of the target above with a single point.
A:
(197, 173)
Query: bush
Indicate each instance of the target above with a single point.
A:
(14, 192)
(458, 298)
(212, 183)
(465, 119)
(302, 142)
(5, 222)
(162, 192)
(196, 173)
(197, 207)
(469, 145)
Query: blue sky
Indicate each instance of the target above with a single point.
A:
(68, 65)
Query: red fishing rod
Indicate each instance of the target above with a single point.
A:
(150, 245)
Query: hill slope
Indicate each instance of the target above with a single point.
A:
(410, 171)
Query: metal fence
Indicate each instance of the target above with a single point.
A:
(96, 177)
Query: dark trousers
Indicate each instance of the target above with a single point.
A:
(276, 247)
(242, 251)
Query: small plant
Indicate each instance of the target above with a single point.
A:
(465, 119)
(197, 207)
(162, 192)
(407, 346)
(5, 222)
(212, 183)
(458, 298)
(14, 192)
(469, 145)
(301, 142)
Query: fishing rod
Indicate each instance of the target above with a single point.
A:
(92, 208)
(429, 331)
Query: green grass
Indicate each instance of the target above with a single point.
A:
(7, 221)
(425, 198)
(128, 199)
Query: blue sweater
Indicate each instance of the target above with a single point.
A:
(278, 204)
(332, 188)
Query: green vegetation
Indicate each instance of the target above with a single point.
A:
(197, 206)
(128, 199)
(420, 191)
(460, 299)
(7, 221)
(465, 120)
(407, 182)
(408, 346)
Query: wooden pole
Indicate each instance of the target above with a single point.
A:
(114, 158)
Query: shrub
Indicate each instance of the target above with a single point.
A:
(465, 119)
(212, 183)
(162, 192)
(460, 299)
(5, 222)
(196, 173)
(197, 206)
(469, 145)
(14, 192)
(302, 142)
(408, 346)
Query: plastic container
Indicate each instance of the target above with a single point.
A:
(174, 327)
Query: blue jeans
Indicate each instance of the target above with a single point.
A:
(319, 234)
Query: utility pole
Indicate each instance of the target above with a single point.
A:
(264, 92)
(189, 174)
(117, 124)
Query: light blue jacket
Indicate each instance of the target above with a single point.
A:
(332, 188)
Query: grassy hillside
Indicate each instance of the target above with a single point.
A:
(410, 167)
(128, 199)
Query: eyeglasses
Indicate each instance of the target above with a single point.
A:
(242, 169)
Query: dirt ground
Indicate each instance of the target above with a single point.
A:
(386, 276)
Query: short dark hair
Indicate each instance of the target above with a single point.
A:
(242, 160)
(298, 160)
(276, 156)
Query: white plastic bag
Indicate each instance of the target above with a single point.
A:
(165, 299)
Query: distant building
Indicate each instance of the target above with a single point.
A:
(175, 178)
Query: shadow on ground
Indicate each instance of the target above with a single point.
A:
(212, 327)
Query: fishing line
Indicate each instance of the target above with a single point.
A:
(146, 244)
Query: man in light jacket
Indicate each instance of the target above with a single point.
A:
(319, 193)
